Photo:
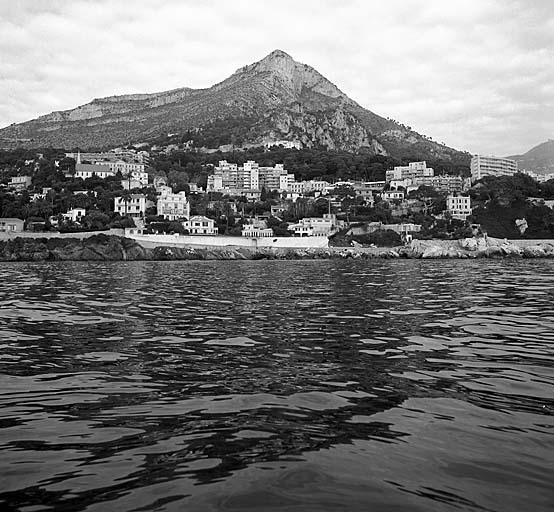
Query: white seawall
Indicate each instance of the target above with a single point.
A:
(151, 241)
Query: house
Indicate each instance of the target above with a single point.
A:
(256, 228)
(195, 189)
(163, 190)
(85, 193)
(200, 225)
(173, 206)
(20, 182)
(392, 195)
(159, 181)
(316, 226)
(131, 183)
(75, 214)
(459, 207)
(140, 176)
(133, 205)
(11, 225)
(539, 201)
(85, 171)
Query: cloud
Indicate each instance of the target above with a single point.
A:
(476, 74)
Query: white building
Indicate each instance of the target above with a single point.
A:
(254, 231)
(200, 225)
(287, 144)
(482, 165)
(11, 225)
(130, 184)
(164, 190)
(133, 205)
(173, 206)
(316, 226)
(75, 214)
(85, 171)
(459, 207)
(392, 195)
(410, 171)
(140, 176)
(231, 179)
(195, 189)
(20, 182)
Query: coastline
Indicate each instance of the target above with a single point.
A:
(110, 247)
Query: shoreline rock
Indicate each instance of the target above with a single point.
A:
(102, 247)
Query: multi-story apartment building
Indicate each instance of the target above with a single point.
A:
(411, 171)
(173, 206)
(482, 165)
(448, 184)
(459, 207)
(133, 205)
(234, 180)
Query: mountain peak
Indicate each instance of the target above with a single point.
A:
(277, 54)
(275, 98)
(279, 67)
(277, 61)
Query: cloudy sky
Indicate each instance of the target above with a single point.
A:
(476, 74)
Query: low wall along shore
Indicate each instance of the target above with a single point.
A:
(309, 242)
(104, 247)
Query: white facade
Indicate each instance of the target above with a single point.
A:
(130, 184)
(316, 226)
(20, 182)
(11, 225)
(195, 189)
(255, 232)
(391, 195)
(173, 206)
(287, 144)
(75, 214)
(85, 171)
(200, 225)
(133, 205)
(124, 168)
(231, 179)
(482, 165)
(410, 171)
(459, 207)
(139, 176)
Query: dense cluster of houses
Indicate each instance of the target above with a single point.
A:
(247, 182)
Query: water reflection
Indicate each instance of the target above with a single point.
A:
(316, 385)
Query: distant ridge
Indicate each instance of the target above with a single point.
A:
(539, 159)
(273, 99)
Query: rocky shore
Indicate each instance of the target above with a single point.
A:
(115, 248)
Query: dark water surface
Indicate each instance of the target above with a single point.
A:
(277, 385)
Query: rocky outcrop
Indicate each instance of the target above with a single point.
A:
(477, 247)
(114, 248)
(95, 248)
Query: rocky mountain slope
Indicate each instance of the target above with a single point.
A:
(273, 99)
(539, 159)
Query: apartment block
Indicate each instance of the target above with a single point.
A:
(482, 165)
